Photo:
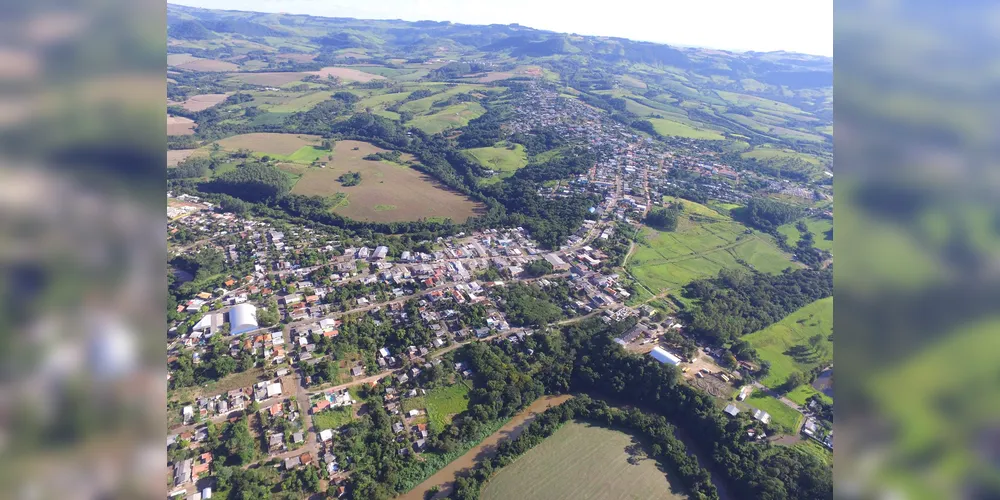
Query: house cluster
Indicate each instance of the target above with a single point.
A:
(212, 406)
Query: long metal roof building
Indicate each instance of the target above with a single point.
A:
(242, 319)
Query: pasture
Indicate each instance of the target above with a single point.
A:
(581, 461)
(274, 79)
(192, 63)
(768, 153)
(454, 116)
(179, 125)
(500, 158)
(388, 191)
(704, 243)
(269, 143)
(673, 128)
(441, 404)
(819, 229)
(786, 346)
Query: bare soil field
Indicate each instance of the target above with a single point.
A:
(203, 101)
(388, 192)
(265, 142)
(175, 156)
(178, 125)
(347, 74)
(178, 59)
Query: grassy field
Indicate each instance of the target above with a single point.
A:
(705, 242)
(818, 228)
(269, 143)
(581, 461)
(765, 153)
(299, 102)
(441, 403)
(387, 192)
(782, 417)
(815, 449)
(499, 158)
(803, 392)
(332, 419)
(203, 101)
(670, 127)
(455, 116)
(785, 344)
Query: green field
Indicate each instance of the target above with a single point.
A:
(670, 127)
(783, 418)
(580, 461)
(425, 105)
(815, 449)
(705, 242)
(499, 158)
(332, 419)
(805, 391)
(455, 116)
(765, 153)
(774, 343)
(818, 228)
(441, 403)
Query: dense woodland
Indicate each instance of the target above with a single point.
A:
(738, 301)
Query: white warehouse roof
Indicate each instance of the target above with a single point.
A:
(664, 356)
(242, 318)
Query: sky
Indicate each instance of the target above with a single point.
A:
(763, 25)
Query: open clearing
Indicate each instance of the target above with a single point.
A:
(819, 229)
(175, 156)
(275, 79)
(454, 116)
(203, 101)
(388, 191)
(269, 143)
(333, 419)
(442, 404)
(192, 63)
(581, 461)
(178, 125)
(670, 127)
(500, 158)
(704, 243)
(783, 417)
(785, 344)
(347, 74)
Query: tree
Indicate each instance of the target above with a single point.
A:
(815, 341)
(664, 219)
(224, 365)
(794, 380)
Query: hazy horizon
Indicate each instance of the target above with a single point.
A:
(767, 26)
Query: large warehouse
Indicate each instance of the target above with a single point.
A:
(664, 356)
(242, 319)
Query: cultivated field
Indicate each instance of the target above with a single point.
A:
(175, 156)
(272, 79)
(387, 192)
(580, 461)
(347, 74)
(441, 404)
(704, 243)
(178, 125)
(786, 346)
(269, 143)
(189, 62)
(204, 101)
(454, 116)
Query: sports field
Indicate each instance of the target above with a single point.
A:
(580, 461)
(786, 345)
(441, 403)
(704, 243)
(387, 192)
